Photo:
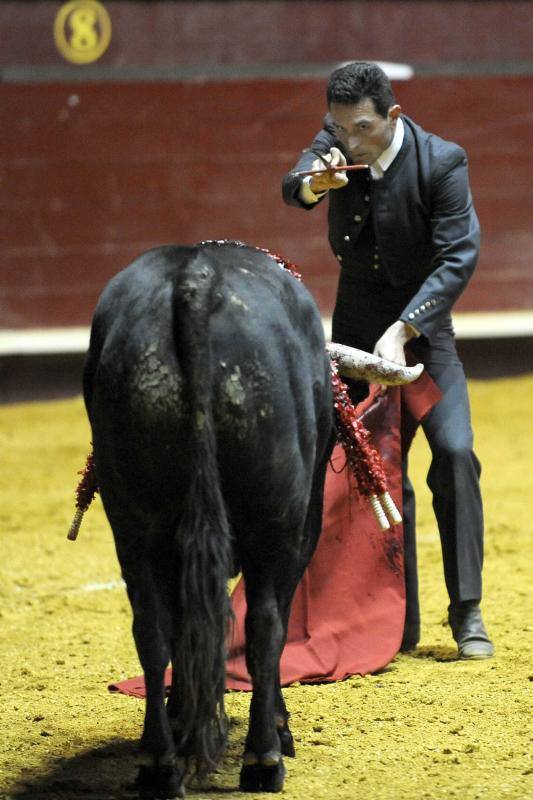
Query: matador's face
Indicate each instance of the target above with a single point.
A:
(363, 132)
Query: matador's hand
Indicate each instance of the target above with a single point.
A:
(330, 179)
(391, 344)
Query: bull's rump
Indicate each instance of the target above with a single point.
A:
(269, 376)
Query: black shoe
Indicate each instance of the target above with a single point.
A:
(411, 637)
(468, 630)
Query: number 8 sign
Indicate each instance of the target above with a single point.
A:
(82, 31)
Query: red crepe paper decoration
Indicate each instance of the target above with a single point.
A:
(85, 492)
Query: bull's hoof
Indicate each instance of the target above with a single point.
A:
(287, 743)
(163, 782)
(262, 777)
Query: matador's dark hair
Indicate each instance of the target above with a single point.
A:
(360, 79)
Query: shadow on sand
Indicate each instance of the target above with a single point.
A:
(436, 653)
(106, 773)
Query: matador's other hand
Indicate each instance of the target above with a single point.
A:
(329, 179)
(391, 345)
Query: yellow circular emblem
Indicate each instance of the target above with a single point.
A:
(82, 31)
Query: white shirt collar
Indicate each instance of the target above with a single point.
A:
(381, 165)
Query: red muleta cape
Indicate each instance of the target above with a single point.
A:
(348, 612)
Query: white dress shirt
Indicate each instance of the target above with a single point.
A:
(377, 172)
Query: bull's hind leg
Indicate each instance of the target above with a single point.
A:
(269, 596)
(312, 529)
(263, 768)
(282, 721)
(159, 774)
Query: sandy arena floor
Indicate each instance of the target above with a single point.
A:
(427, 727)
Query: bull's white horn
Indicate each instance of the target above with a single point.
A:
(354, 363)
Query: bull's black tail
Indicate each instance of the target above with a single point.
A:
(203, 540)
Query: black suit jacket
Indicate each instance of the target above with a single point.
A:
(424, 220)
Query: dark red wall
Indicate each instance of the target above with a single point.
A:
(91, 174)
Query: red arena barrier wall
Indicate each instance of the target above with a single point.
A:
(93, 174)
(183, 126)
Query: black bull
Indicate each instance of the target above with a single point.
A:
(208, 389)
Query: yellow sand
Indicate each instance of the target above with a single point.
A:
(427, 727)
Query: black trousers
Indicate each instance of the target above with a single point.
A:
(453, 478)
(454, 472)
